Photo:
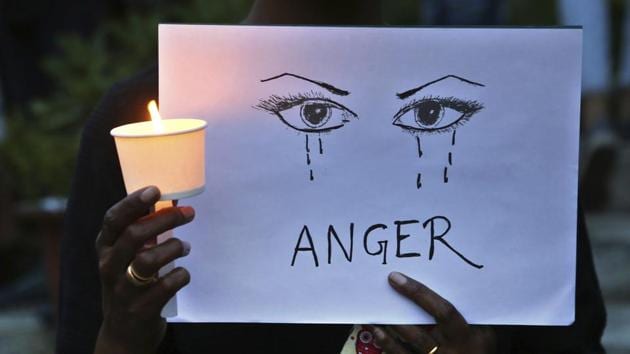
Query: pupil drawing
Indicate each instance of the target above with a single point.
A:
(313, 113)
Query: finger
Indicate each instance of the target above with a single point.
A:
(165, 288)
(123, 213)
(443, 311)
(136, 234)
(387, 341)
(416, 337)
(149, 262)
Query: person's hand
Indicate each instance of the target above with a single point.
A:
(131, 310)
(451, 334)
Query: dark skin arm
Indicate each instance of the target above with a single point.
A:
(452, 334)
(131, 314)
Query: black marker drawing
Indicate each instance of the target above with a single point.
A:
(310, 112)
(431, 115)
(435, 115)
(327, 86)
(411, 92)
(375, 242)
(308, 154)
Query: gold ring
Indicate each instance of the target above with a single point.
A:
(137, 279)
(434, 350)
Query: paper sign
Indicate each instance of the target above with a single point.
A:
(338, 155)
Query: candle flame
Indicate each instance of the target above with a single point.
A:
(155, 116)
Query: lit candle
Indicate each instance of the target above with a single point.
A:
(167, 153)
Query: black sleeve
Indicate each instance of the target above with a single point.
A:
(97, 185)
(584, 335)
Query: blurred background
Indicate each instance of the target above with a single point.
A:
(57, 57)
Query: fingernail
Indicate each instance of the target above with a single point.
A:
(379, 334)
(397, 278)
(150, 194)
(186, 246)
(188, 212)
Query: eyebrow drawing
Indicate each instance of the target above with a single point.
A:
(327, 86)
(435, 115)
(411, 92)
(308, 113)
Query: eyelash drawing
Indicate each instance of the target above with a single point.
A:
(435, 115)
(426, 108)
(310, 113)
(313, 105)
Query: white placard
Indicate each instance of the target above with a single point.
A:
(336, 155)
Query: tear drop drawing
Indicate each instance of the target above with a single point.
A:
(435, 115)
(312, 113)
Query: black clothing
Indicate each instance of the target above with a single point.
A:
(98, 185)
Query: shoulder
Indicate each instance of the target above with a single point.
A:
(125, 102)
(97, 169)
(97, 181)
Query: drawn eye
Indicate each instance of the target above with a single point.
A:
(309, 112)
(435, 115)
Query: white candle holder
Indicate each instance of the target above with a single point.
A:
(171, 158)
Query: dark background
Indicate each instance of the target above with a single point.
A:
(57, 57)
